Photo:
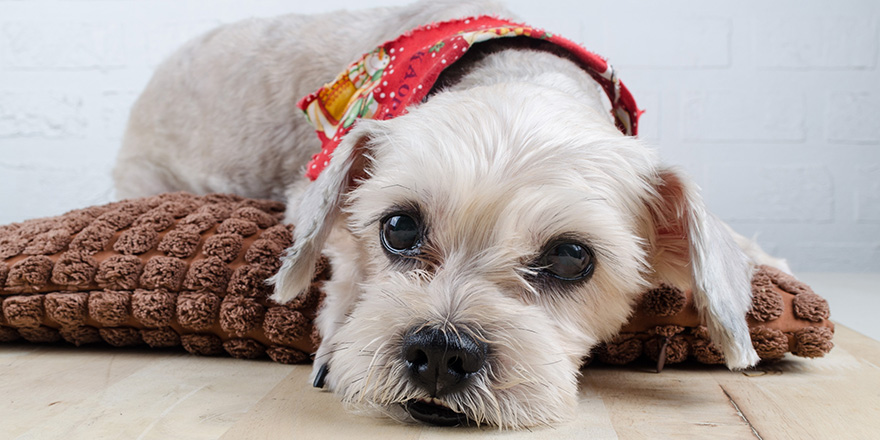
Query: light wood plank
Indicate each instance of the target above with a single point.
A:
(38, 383)
(834, 397)
(861, 346)
(95, 393)
(680, 402)
(147, 396)
(294, 407)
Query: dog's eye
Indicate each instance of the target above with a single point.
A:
(401, 234)
(568, 261)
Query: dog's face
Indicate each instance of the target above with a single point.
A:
(502, 229)
(497, 234)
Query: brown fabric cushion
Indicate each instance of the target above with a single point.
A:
(169, 270)
(184, 270)
(786, 316)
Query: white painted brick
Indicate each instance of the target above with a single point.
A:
(40, 192)
(834, 256)
(677, 43)
(772, 116)
(41, 114)
(43, 155)
(41, 45)
(854, 117)
(115, 109)
(770, 247)
(649, 122)
(705, 63)
(816, 42)
(773, 194)
(868, 194)
(164, 38)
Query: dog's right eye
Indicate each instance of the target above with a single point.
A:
(401, 234)
(568, 261)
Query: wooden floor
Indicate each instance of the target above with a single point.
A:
(61, 392)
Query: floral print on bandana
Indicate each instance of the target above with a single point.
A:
(387, 80)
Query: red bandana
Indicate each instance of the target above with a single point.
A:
(384, 82)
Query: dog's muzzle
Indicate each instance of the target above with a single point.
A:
(441, 362)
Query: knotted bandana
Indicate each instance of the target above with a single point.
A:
(383, 83)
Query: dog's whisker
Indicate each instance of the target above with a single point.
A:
(373, 362)
(331, 352)
(389, 295)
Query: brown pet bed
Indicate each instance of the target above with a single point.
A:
(184, 270)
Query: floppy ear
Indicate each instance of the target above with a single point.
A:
(692, 248)
(317, 211)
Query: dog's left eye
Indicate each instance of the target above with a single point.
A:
(401, 234)
(568, 261)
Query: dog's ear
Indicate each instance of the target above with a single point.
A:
(317, 211)
(691, 248)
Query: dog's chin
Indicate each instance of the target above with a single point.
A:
(435, 412)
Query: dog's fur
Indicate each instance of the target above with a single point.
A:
(516, 152)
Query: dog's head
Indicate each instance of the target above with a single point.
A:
(499, 233)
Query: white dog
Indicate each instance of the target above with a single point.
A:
(482, 243)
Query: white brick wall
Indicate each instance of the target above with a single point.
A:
(771, 106)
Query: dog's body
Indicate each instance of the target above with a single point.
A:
(224, 105)
(456, 228)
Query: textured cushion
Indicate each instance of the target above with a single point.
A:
(184, 270)
(786, 316)
(174, 269)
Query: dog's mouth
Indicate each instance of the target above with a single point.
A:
(435, 412)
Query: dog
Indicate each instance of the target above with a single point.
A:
(482, 243)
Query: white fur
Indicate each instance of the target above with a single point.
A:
(519, 152)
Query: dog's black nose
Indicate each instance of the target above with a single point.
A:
(442, 361)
